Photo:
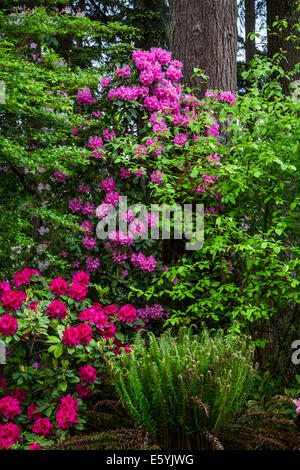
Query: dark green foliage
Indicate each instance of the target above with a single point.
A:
(185, 389)
(267, 427)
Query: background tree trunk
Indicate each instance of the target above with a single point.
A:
(249, 28)
(284, 9)
(204, 34)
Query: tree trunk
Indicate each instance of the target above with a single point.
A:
(203, 33)
(284, 9)
(249, 28)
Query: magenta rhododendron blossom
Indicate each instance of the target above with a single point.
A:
(9, 435)
(67, 412)
(9, 407)
(84, 96)
(8, 325)
(87, 374)
(81, 276)
(58, 286)
(127, 313)
(78, 291)
(42, 427)
(57, 309)
(24, 276)
(12, 300)
(297, 403)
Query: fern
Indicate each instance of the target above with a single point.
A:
(186, 389)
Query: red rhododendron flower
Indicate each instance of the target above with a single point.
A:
(8, 324)
(58, 286)
(9, 407)
(67, 412)
(110, 309)
(9, 435)
(78, 291)
(34, 446)
(88, 374)
(12, 300)
(81, 276)
(85, 333)
(83, 391)
(31, 412)
(42, 427)
(71, 337)
(57, 309)
(127, 313)
(24, 276)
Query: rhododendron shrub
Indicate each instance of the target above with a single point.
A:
(56, 336)
(142, 132)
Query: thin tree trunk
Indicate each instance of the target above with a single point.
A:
(204, 34)
(249, 28)
(284, 9)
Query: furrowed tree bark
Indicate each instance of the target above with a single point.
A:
(249, 28)
(284, 9)
(203, 33)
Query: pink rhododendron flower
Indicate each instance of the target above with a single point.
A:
(58, 286)
(89, 243)
(156, 176)
(24, 276)
(85, 333)
(9, 435)
(71, 337)
(57, 309)
(81, 276)
(8, 325)
(12, 300)
(297, 403)
(92, 264)
(84, 96)
(31, 412)
(75, 205)
(9, 407)
(34, 446)
(127, 313)
(95, 142)
(59, 176)
(123, 72)
(87, 374)
(42, 427)
(67, 412)
(78, 291)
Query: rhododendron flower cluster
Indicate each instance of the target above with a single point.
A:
(84, 96)
(67, 412)
(59, 286)
(127, 313)
(81, 334)
(12, 300)
(9, 407)
(57, 309)
(156, 312)
(24, 276)
(8, 325)
(9, 435)
(42, 427)
(87, 374)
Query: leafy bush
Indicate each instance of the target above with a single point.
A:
(56, 339)
(186, 389)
